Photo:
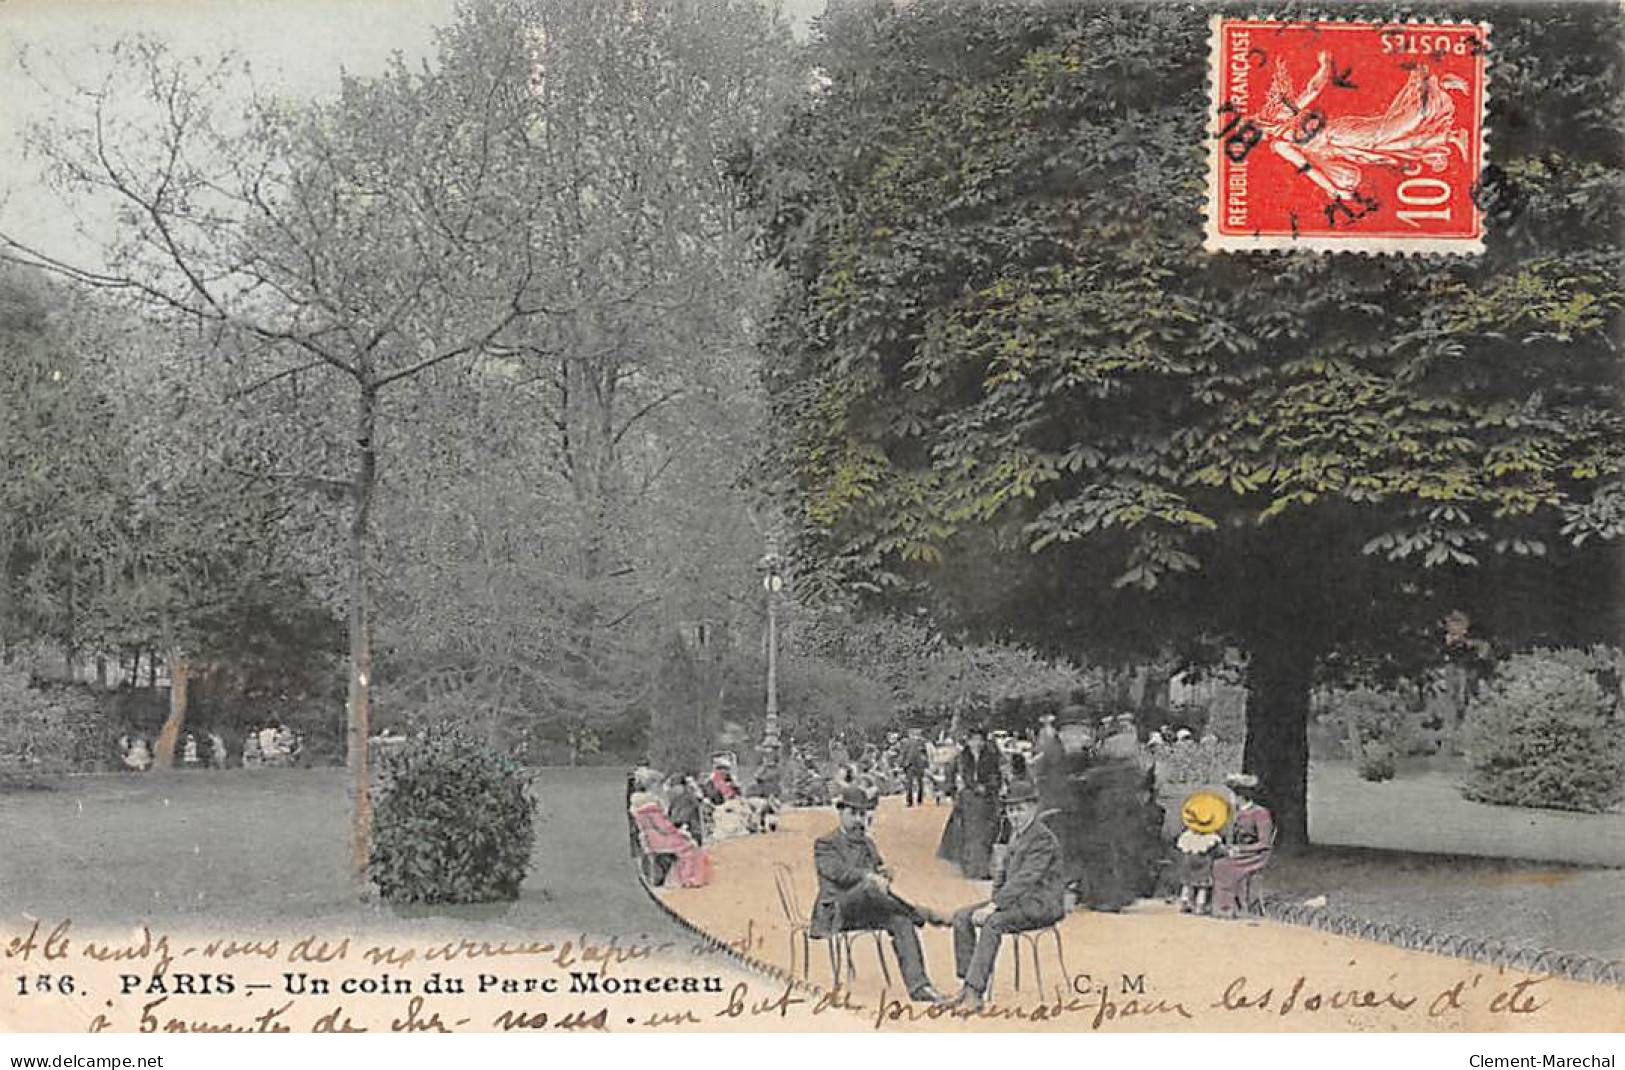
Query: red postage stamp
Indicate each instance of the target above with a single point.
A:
(1360, 136)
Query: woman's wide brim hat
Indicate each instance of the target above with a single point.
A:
(1241, 780)
(1205, 811)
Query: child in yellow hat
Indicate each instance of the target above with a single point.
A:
(1204, 814)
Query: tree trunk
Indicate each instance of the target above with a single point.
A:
(1277, 751)
(163, 755)
(358, 712)
(1155, 690)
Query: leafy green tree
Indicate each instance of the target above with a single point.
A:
(132, 522)
(333, 253)
(62, 501)
(541, 569)
(1021, 392)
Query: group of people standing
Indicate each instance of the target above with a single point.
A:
(1098, 794)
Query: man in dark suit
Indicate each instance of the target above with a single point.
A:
(1029, 893)
(854, 892)
(915, 759)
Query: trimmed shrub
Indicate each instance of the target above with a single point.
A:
(1376, 762)
(1542, 734)
(453, 822)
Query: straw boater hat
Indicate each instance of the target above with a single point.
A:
(1205, 811)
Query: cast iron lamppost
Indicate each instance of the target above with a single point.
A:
(771, 568)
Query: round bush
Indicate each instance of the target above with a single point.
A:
(1542, 735)
(453, 822)
(1376, 762)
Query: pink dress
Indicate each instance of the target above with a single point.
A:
(1254, 833)
(692, 865)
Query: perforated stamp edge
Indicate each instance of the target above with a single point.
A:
(1214, 241)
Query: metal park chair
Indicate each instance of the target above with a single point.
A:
(1028, 939)
(840, 942)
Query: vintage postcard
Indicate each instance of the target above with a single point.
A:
(700, 516)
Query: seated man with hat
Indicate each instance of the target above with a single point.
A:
(854, 892)
(1030, 893)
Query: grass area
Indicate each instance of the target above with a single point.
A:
(270, 846)
(1515, 901)
(1423, 811)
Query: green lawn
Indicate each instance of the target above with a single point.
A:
(1412, 851)
(270, 846)
(1423, 811)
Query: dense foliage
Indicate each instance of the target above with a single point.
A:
(46, 732)
(1545, 734)
(1019, 391)
(453, 822)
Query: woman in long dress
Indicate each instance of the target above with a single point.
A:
(968, 837)
(1252, 840)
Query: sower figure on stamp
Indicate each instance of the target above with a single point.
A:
(854, 892)
(1030, 893)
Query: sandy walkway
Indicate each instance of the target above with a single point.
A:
(1148, 969)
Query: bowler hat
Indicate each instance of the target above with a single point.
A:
(854, 798)
(1020, 791)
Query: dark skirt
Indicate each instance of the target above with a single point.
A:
(967, 839)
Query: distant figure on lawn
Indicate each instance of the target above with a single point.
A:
(1029, 892)
(217, 751)
(135, 752)
(854, 892)
(1252, 840)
